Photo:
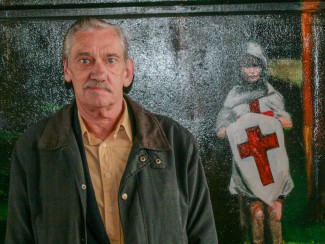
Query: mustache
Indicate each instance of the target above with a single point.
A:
(96, 84)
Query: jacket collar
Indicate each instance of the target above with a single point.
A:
(146, 128)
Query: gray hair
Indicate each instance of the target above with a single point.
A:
(90, 24)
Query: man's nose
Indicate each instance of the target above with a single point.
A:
(98, 71)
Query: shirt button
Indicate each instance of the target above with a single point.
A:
(111, 209)
(83, 187)
(124, 196)
(107, 175)
(104, 144)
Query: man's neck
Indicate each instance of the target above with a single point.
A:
(101, 121)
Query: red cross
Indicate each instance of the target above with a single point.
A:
(256, 146)
(254, 106)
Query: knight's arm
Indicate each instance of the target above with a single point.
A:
(276, 103)
(225, 117)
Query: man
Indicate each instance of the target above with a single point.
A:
(103, 169)
(251, 100)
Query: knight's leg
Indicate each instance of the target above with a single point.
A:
(242, 210)
(257, 219)
(275, 216)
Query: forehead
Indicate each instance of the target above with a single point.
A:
(248, 61)
(97, 39)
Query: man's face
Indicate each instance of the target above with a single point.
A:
(97, 69)
(251, 73)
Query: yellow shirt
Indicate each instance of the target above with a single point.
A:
(106, 161)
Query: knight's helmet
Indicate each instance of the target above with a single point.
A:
(254, 49)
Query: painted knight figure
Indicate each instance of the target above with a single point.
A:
(252, 118)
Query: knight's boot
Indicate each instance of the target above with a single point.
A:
(275, 228)
(257, 216)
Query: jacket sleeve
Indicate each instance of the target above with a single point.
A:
(200, 226)
(19, 226)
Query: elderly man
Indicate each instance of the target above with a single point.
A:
(103, 169)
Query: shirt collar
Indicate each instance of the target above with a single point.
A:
(123, 124)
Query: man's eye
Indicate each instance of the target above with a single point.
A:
(84, 61)
(111, 60)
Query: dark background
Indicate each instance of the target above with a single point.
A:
(185, 54)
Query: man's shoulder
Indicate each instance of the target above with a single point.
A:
(172, 127)
(167, 121)
(35, 131)
(157, 127)
(141, 115)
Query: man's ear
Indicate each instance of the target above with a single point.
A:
(129, 63)
(66, 71)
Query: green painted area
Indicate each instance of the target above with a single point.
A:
(9, 135)
(297, 225)
(51, 107)
(3, 212)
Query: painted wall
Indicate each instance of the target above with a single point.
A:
(185, 55)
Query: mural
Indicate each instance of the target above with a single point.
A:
(186, 65)
(252, 118)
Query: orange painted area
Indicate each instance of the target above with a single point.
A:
(307, 58)
(308, 74)
(310, 6)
